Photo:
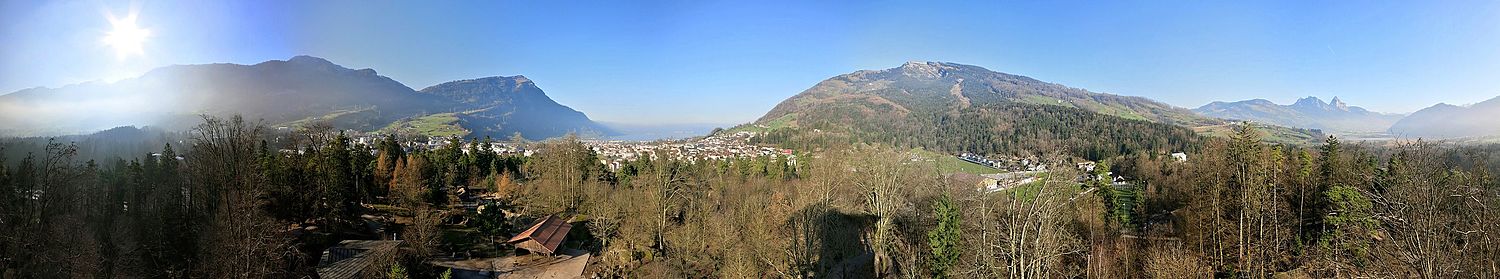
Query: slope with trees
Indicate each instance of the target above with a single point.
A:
(244, 202)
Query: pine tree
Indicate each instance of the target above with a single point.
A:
(396, 272)
(945, 238)
(336, 183)
(1346, 210)
(1330, 165)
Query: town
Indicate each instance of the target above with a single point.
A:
(613, 153)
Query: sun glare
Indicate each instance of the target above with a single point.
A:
(125, 37)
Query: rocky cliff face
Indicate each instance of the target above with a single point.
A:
(501, 106)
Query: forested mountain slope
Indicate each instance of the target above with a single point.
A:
(927, 87)
(962, 108)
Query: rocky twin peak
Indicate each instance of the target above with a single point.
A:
(1314, 104)
(1309, 112)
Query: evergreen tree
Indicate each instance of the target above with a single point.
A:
(1346, 210)
(945, 238)
(1330, 168)
(396, 272)
(336, 187)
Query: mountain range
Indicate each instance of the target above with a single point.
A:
(931, 96)
(1450, 121)
(926, 87)
(954, 108)
(926, 97)
(1441, 121)
(879, 102)
(289, 93)
(1310, 112)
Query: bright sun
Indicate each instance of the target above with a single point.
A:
(126, 38)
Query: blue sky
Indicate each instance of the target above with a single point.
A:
(730, 61)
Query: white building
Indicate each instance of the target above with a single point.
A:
(1180, 157)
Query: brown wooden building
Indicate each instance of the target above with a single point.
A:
(544, 237)
(358, 259)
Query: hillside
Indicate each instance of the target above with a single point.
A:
(961, 108)
(1450, 121)
(282, 93)
(501, 106)
(275, 91)
(1310, 112)
(931, 87)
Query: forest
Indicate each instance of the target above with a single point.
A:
(233, 199)
(998, 128)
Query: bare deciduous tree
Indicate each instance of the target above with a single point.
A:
(1033, 235)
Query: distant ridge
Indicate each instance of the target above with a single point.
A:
(1450, 121)
(1309, 112)
(500, 106)
(286, 93)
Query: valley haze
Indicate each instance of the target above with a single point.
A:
(304, 90)
(346, 139)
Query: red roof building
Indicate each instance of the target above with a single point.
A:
(544, 237)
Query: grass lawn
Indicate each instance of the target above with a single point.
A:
(1044, 100)
(327, 117)
(435, 125)
(952, 164)
(1029, 191)
(1275, 134)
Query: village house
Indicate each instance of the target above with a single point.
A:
(1179, 156)
(1086, 166)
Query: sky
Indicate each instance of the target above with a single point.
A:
(727, 62)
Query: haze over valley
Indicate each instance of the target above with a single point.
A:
(950, 139)
(306, 90)
(291, 93)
